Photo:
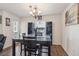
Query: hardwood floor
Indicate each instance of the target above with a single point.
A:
(56, 50)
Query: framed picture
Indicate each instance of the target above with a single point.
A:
(7, 21)
(0, 19)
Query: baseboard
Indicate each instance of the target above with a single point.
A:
(55, 44)
(63, 50)
(5, 49)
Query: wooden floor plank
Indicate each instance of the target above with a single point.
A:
(56, 50)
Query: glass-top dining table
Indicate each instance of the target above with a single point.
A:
(44, 41)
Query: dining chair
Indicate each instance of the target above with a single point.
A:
(31, 46)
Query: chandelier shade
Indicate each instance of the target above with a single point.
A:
(34, 11)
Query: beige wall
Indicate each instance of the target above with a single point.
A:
(8, 30)
(56, 19)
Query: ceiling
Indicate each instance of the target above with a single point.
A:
(22, 9)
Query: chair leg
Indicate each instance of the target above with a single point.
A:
(29, 53)
(40, 51)
(35, 53)
(25, 50)
(21, 50)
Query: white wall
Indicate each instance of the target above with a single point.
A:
(70, 36)
(65, 33)
(8, 30)
(56, 26)
(74, 40)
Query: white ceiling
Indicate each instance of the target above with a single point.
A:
(22, 9)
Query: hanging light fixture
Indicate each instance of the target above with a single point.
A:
(34, 11)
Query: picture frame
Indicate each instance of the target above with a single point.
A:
(66, 17)
(0, 19)
(7, 21)
(71, 16)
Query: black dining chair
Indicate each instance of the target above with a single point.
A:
(31, 46)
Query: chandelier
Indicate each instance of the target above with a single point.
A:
(34, 11)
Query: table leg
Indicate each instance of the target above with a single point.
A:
(21, 50)
(24, 50)
(49, 50)
(13, 48)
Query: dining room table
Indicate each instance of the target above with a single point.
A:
(43, 41)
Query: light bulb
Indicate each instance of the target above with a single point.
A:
(34, 10)
(39, 11)
(30, 12)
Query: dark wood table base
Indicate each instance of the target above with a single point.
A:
(42, 43)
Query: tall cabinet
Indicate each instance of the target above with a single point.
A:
(43, 29)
